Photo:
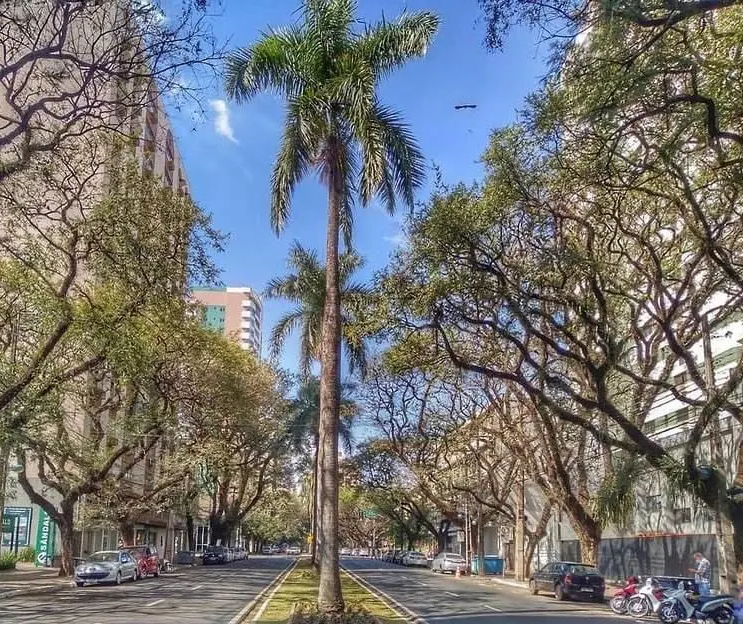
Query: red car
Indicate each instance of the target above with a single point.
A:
(147, 558)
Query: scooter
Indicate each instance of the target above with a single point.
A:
(647, 600)
(679, 605)
(618, 603)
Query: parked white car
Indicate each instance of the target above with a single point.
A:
(415, 559)
(107, 566)
(448, 562)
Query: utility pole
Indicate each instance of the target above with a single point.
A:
(5, 444)
(723, 530)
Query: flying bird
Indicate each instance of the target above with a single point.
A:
(461, 106)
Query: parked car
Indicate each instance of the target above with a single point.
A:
(386, 555)
(364, 552)
(266, 550)
(107, 566)
(567, 579)
(148, 560)
(415, 559)
(275, 550)
(215, 554)
(448, 562)
(240, 553)
(345, 551)
(294, 550)
(397, 556)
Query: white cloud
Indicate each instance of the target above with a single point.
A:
(222, 123)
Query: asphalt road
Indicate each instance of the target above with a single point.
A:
(198, 595)
(443, 599)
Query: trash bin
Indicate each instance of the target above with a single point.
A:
(493, 565)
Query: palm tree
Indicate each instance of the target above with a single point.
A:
(305, 431)
(305, 288)
(327, 68)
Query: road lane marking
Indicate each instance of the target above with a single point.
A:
(393, 604)
(240, 617)
(268, 600)
(496, 609)
(452, 594)
(156, 602)
(196, 587)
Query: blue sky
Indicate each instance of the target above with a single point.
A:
(229, 154)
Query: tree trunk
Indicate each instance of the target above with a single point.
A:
(190, 532)
(589, 546)
(330, 597)
(220, 530)
(65, 522)
(126, 528)
(313, 517)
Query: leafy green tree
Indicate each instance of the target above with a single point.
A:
(305, 288)
(328, 72)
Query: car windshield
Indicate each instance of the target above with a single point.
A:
(582, 569)
(453, 557)
(104, 556)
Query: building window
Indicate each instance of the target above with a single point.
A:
(653, 503)
(682, 515)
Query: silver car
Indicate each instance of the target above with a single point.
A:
(448, 562)
(413, 558)
(107, 566)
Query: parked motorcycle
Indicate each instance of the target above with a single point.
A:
(647, 600)
(618, 603)
(679, 605)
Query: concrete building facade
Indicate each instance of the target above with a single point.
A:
(234, 311)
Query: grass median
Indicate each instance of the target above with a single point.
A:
(300, 588)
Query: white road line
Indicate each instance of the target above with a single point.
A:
(496, 609)
(196, 587)
(452, 594)
(156, 602)
(269, 598)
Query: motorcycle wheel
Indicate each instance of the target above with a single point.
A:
(668, 613)
(722, 615)
(638, 606)
(618, 604)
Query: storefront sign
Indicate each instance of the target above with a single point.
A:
(21, 516)
(44, 539)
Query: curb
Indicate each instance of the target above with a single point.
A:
(277, 581)
(517, 584)
(390, 602)
(30, 591)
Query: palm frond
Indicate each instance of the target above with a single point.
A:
(278, 62)
(389, 45)
(292, 164)
(404, 157)
(287, 324)
(285, 287)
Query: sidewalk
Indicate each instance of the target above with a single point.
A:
(26, 579)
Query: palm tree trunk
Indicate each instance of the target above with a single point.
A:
(330, 598)
(314, 531)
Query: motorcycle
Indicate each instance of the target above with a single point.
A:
(647, 600)
(618, 603)
(679, 605)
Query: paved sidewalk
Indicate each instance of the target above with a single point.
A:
(510, 581)
(26, 579)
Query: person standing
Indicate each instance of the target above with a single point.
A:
(702, 573)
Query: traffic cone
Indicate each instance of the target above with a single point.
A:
(458, 572)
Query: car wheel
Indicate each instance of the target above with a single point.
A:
(157, 571)
(135, 574)
(143, 573)
(560, 591)
(118, 578)
(79, 583)
(533, 587)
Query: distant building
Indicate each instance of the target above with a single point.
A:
(236, 312)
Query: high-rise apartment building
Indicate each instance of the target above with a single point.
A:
(234, 311)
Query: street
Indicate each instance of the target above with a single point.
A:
(203, 594)
(439, 599)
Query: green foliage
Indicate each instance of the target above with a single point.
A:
(279, 518)
(304, 287)
(27, 554)
(615, 500)
(7, 561)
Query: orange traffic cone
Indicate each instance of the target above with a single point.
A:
(458, 572)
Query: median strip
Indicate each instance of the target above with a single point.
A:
(396, 607)
(277, 580)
